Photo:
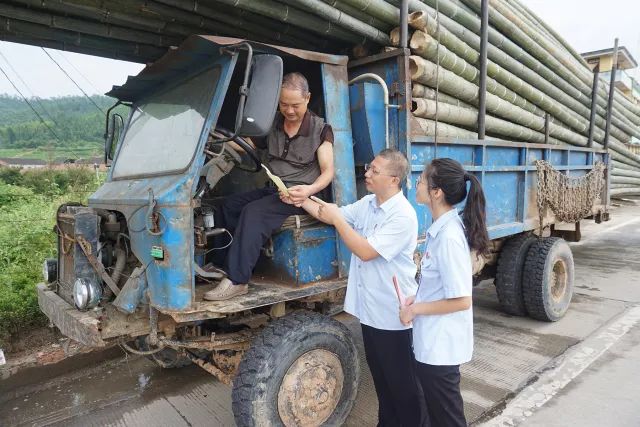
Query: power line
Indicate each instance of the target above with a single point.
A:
(28, 88)
(74, 82)
(60, 53)
(30, 106)
(36, 112)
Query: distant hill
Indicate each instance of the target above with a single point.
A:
(73, 118)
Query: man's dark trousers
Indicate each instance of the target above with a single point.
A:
(251, 218)
(392, 364)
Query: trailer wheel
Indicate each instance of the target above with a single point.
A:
(302, 370)
(509, 274)
(548, 279)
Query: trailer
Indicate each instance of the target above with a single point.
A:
(133, 265)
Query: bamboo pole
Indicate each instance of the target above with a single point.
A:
(302, 19)
(428, 127)
(377, 8)
(331, 14)
(360, 15)
(525, 10)
(467, 117)
(422, 91)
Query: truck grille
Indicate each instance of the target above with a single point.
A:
(72, 263)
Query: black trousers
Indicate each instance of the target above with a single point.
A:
(251, 218)
(441, 388)
(392, 364)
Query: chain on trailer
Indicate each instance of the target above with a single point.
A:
(569, 198)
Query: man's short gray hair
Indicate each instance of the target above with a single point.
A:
(296, 81)
(398, 163)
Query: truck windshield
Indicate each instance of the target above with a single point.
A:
(165, 128)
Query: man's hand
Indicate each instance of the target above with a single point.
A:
(300, 193)
(406, 312)
(328, 212)
(285, 199)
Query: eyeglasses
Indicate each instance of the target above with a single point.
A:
(368, 167)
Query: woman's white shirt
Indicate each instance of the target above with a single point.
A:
(445, 339)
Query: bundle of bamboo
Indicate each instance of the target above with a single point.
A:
(531, 73)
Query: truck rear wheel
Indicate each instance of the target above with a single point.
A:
(302, 370)
(509, 274)
(548, 279)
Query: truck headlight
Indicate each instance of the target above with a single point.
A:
(50, 270)
(86, 293)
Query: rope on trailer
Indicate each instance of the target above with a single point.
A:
(569, 198)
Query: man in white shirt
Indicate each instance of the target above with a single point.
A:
(381, 231)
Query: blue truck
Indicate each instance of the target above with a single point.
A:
(133, 265)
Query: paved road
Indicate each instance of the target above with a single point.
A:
(512, 357)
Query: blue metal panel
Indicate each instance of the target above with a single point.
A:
(367, 118)
(305, 255)
(501, 190)
(336, 92)
(508, 176)
(502, 156)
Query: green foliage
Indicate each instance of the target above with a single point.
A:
(78, 124)
(10, 175)
(58, 181)
(27, 218)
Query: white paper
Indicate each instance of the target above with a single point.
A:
(277, 181)
(3, 361)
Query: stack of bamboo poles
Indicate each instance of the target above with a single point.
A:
(531, 72)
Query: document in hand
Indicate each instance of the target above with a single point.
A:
(401, 298)
(276, 180)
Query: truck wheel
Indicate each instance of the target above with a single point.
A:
(167, 358)
(548, 279)
(302, 370)
(509, 274)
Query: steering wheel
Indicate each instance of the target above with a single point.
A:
(256, 164)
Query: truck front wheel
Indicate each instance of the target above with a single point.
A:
(302, 370)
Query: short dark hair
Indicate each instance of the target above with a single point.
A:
(296, 81)
(398, 163)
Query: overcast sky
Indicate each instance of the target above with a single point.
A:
(586, 24)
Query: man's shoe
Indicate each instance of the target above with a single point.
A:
(226, 290)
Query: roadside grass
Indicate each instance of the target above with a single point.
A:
(28, 204)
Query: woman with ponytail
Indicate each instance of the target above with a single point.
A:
(441, 310)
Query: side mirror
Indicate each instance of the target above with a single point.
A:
(263, 95)
(114, 126)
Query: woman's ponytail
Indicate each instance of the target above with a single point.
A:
(451, 178)
(474, 216)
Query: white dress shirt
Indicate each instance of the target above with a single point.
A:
(445, 339)
(392, 230)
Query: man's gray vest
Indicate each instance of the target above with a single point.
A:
(296, 164)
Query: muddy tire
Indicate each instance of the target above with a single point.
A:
(509, 274)
(302, 370)
(167, 358)
(548, 279)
